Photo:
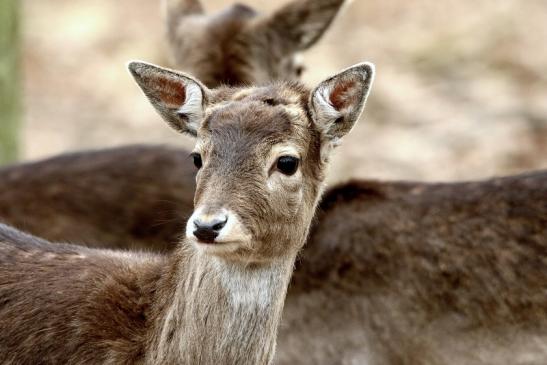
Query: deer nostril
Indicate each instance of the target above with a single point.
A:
(206, 235)
(220, 225)
(208, 231)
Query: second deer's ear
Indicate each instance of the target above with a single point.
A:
(337, 103)
(299, 24)
(178, 98)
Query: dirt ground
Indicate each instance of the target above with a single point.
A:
(460, 93)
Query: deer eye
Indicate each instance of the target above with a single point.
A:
(197, 160)
(287, 164)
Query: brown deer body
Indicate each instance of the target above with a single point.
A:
(134, 197)
(261, 154)
(414, 273)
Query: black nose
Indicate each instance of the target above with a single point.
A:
(207, 231)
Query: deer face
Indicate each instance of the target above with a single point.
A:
(238, 46)
(261, 154)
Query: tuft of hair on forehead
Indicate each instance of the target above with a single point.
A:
(272, 94)
(273, 107)
(270, 114)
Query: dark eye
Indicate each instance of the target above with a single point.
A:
(287, 164)
(299, 70)
(197, 159)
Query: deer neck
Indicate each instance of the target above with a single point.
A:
(213, 311)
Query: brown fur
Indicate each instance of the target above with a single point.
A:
(200, 305)
(415, 273)
(238, 46)
(68, 304)
(135, 197)
(435, 250)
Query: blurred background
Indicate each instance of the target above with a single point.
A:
(460, 93)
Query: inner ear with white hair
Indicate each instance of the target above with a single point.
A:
(337, 103)
(179, 98)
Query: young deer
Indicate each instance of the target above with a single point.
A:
(217, 299)
(109, 198)
(239, 47)
(364, 225)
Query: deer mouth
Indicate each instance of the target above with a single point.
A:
(206, 236)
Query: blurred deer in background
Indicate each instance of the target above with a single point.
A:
(238, 46)
(262, 154)
(136, 197)
(417, 273)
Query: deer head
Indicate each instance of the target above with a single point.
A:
(261, 154)
(237, 46)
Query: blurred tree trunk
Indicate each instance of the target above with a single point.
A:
(9, 80)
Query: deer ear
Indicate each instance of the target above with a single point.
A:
(175, 10)
(178, 98)
(299, 24)
(337, 103)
